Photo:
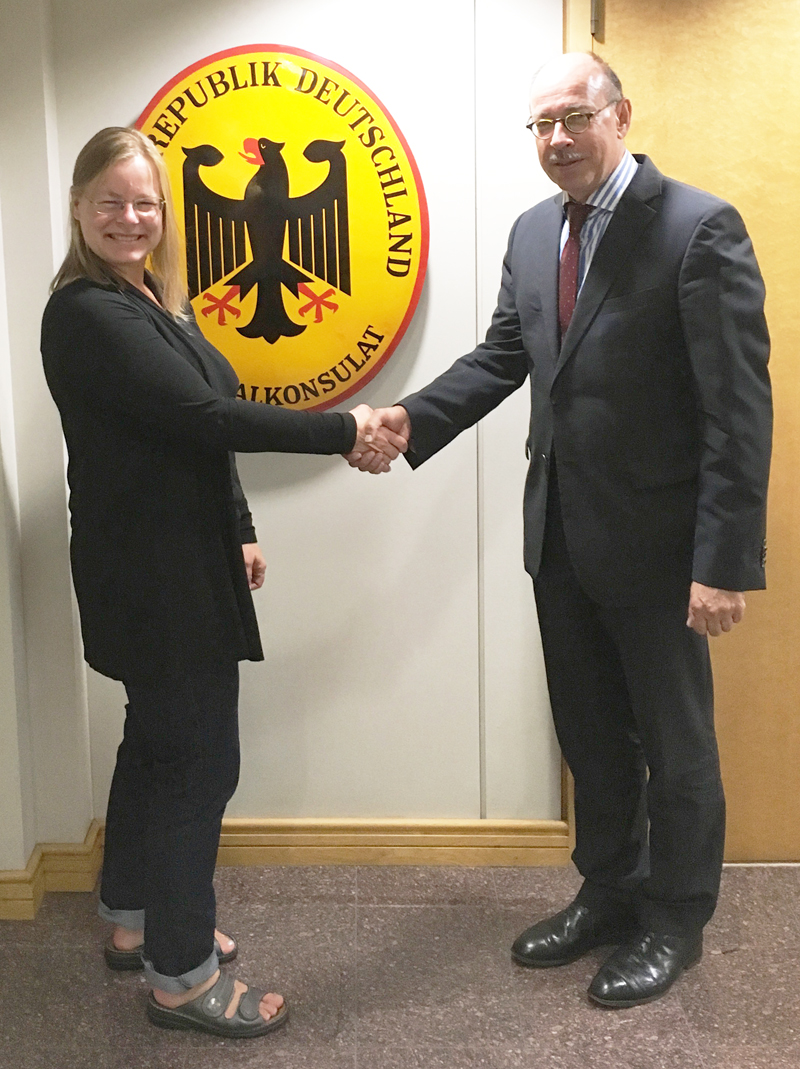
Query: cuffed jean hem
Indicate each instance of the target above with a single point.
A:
(125, 918)
(178, 985)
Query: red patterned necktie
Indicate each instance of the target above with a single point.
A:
(577, 215)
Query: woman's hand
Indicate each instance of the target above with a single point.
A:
(255, 564)
(377, 444)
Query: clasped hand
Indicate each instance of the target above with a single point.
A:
(382, 436)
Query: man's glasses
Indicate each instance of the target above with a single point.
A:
(145, 208)
(577, 122)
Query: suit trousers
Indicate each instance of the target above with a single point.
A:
(632, 701)
(177, 767)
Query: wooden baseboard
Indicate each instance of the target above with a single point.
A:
(394, 842)
(52, 867)
(74, 866)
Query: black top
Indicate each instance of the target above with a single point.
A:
(151, 421)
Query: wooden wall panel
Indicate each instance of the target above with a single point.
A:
(711, 85)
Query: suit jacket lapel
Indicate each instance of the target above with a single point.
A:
(545, 270)
(633, 215)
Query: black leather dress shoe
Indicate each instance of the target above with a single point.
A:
(644, 969)
(572, 933)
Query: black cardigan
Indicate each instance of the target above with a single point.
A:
(151, 421)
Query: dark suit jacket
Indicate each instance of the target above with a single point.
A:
(151, 419)
(656, 405)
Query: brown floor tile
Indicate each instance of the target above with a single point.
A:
(273, 1051)
(382, 1056)
(541, 891)
(656, 1044)
(415, 885)
(64, 919)
(497, 1056)
(409, 968)
(749, 999)
(63, 1008)
(758, 907)
(751, 1056)
(432, 975)
(252, 889)
(307, 1057)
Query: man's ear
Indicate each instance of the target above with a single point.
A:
(623, 116)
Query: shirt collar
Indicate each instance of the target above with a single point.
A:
(609, 193)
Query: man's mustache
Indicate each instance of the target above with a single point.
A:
(563, 157)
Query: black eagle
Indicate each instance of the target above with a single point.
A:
(319, 240)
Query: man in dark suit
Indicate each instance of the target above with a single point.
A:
(635, 306)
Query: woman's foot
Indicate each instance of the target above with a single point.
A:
(123, 951)
(226, 944)
(268, 1007)
(127, 938)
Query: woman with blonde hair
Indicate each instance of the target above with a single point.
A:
(164, 558)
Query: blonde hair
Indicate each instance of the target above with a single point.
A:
(106, 148)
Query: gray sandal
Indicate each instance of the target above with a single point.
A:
(125, 960)
(206, 1013)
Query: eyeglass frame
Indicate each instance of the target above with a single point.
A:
(588, 115)
(158, 206)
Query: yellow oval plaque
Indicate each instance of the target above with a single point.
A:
(304, 215)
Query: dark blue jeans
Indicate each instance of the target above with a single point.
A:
(177, 767)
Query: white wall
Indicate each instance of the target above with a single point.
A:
(47, 699)
(403, 673)
(17, 834)
(522, 767)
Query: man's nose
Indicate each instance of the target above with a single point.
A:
(560, 135)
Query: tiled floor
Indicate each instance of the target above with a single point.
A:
(408, 968)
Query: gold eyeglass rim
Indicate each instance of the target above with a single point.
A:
(588, 115)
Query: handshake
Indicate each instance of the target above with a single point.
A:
(382, 435)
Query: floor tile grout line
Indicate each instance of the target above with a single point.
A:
(493, 875)
(690, 1031)
(356, 970)
(516, 989)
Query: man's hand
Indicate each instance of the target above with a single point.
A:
(712, 611)
(255, 564)
(382, 435)
(385, 428)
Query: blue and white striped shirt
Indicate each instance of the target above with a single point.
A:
(604, 200)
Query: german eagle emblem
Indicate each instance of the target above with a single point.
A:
(219, 229)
